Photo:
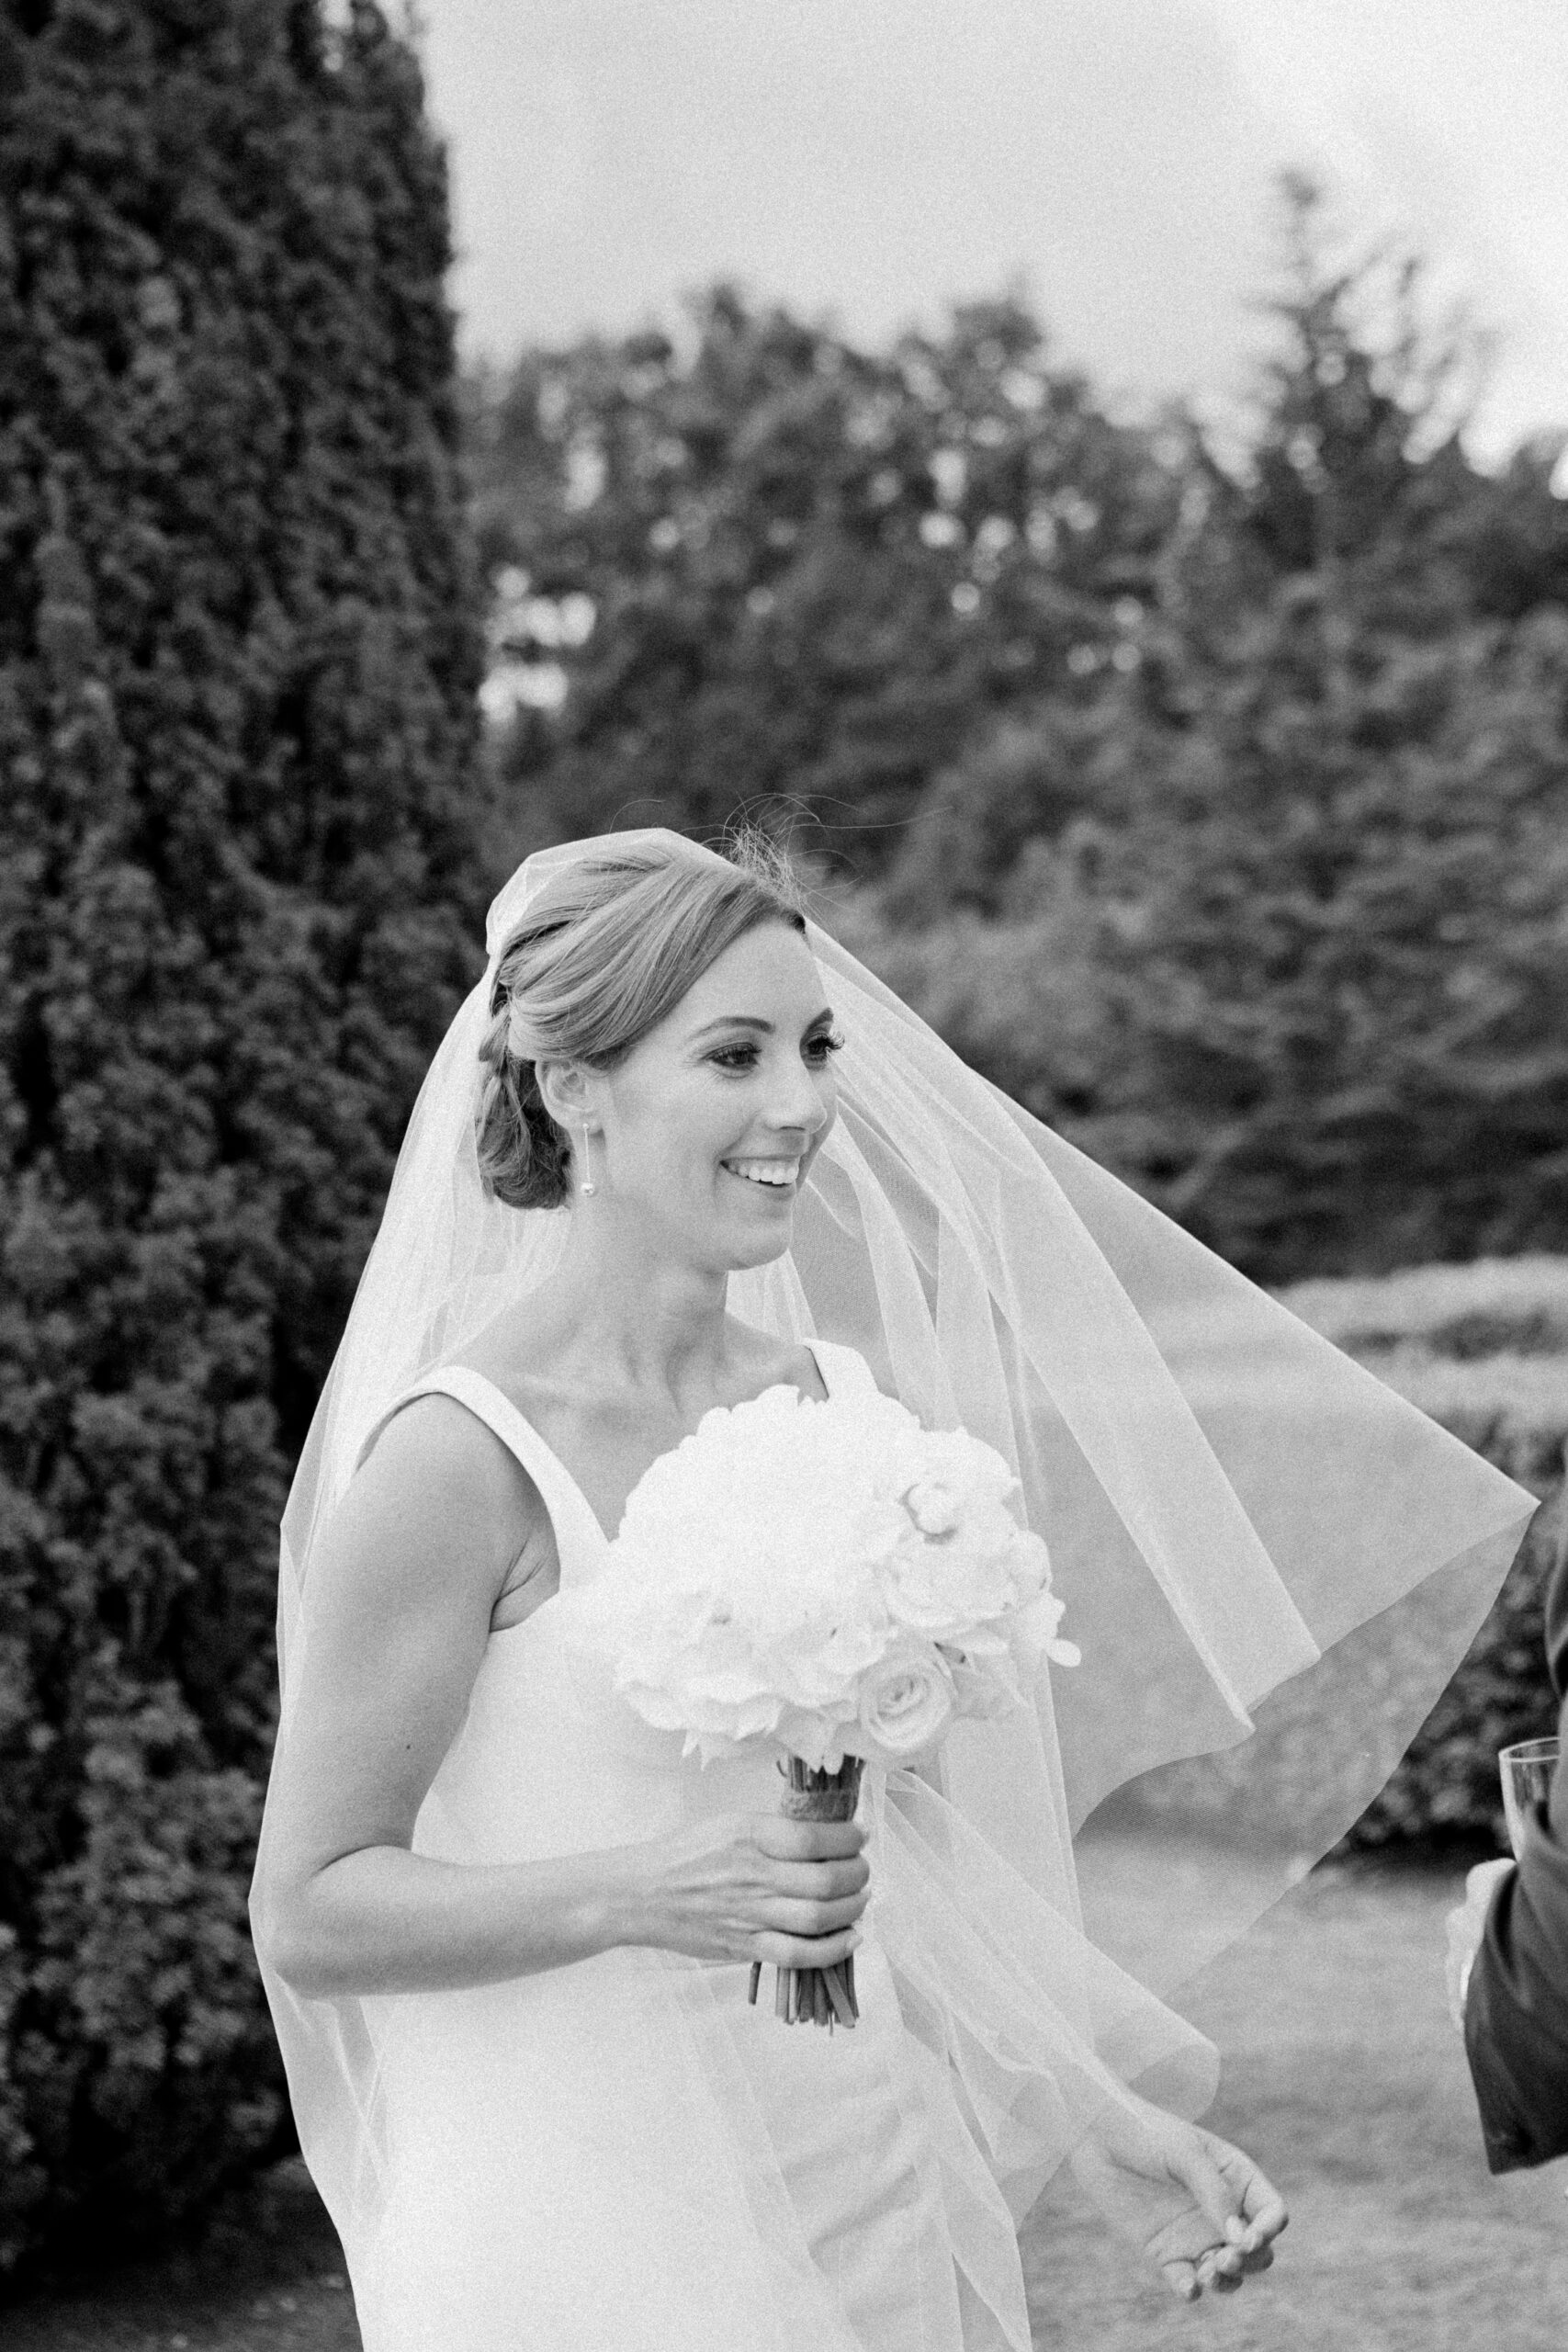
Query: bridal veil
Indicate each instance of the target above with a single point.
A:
(1256, 1542)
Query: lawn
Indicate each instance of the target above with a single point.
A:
(1347, 2082)
(1343, 2077)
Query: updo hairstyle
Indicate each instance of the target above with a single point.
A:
(608, 954)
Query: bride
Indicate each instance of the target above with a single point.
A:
(676, 1139)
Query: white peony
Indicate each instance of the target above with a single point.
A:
(829, 1576)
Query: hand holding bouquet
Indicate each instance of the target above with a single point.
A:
(832, 1577)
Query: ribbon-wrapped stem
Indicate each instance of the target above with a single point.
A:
(817, 1995)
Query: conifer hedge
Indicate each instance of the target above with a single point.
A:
(238, 669)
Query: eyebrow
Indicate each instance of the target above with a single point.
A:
(754, 1021)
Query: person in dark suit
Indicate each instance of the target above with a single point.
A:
(1508, 1941)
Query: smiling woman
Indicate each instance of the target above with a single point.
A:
(748, 1054)
(507, 1929)
(702, 1130)
(605, 961)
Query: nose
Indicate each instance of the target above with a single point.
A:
(797, 1103)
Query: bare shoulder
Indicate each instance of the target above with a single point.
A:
(438, 1488)
(437, 1446)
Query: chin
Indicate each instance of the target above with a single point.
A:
(746, 1250)
(761, 1254)
(741, 1250)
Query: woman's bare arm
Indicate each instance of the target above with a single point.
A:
(398, 1613)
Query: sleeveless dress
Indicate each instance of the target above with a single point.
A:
(622, 2154)
(575, 2160)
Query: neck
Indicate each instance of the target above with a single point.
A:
(631, 1315)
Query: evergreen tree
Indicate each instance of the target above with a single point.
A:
(1337, 999)
(238, 669)
(767, 566)
(1277, 912)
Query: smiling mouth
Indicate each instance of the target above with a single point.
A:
(767, 1175)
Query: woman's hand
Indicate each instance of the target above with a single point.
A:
(1200, 2208)
(755, 1886)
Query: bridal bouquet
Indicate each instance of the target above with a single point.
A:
(832, 1577)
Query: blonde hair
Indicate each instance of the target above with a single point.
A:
(606, 955)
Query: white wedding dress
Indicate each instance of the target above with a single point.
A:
(622, 2154)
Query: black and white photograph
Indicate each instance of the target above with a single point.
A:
(783, 1176)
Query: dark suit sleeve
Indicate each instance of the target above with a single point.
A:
(1516, 2016)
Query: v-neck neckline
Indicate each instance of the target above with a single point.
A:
(559, 1466)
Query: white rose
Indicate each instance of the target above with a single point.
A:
(906, 1704)
(934, 1507)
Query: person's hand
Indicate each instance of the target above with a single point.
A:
(1466, 1925)
(1200, 2208)
(755, 1887)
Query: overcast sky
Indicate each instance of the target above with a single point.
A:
(876, 159)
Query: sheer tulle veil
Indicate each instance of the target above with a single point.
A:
(1254, 1540)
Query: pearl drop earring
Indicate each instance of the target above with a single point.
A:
(587, 1185)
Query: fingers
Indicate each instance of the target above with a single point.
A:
(1228, 2271)
(1263, 2212)
(1251, 2212)
(1232, 2198)
(1247, 2210)
(816, 1875)
(808, 1841)
(822, 1881)
(791, 1916)
(1249, 2245)
(1187, 2278)
(1223, 2270)
(1182, 2279)
(804, 1951)
(1199, 2165)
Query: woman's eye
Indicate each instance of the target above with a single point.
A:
(817, 1051)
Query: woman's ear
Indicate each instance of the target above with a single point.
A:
(565, 1090)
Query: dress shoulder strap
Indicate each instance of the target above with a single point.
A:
(845, 1372)
(578, 1536)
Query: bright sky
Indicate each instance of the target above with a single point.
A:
(876, 159)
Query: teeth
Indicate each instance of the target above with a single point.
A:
(776, 1173)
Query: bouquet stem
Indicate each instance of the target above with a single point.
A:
(820, 1995)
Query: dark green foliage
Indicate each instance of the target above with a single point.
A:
(1216, 810)
(237, 663)
(812, 570)
(1271, 922)
(1334, 975)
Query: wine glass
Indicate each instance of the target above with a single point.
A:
(1527, 1769)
